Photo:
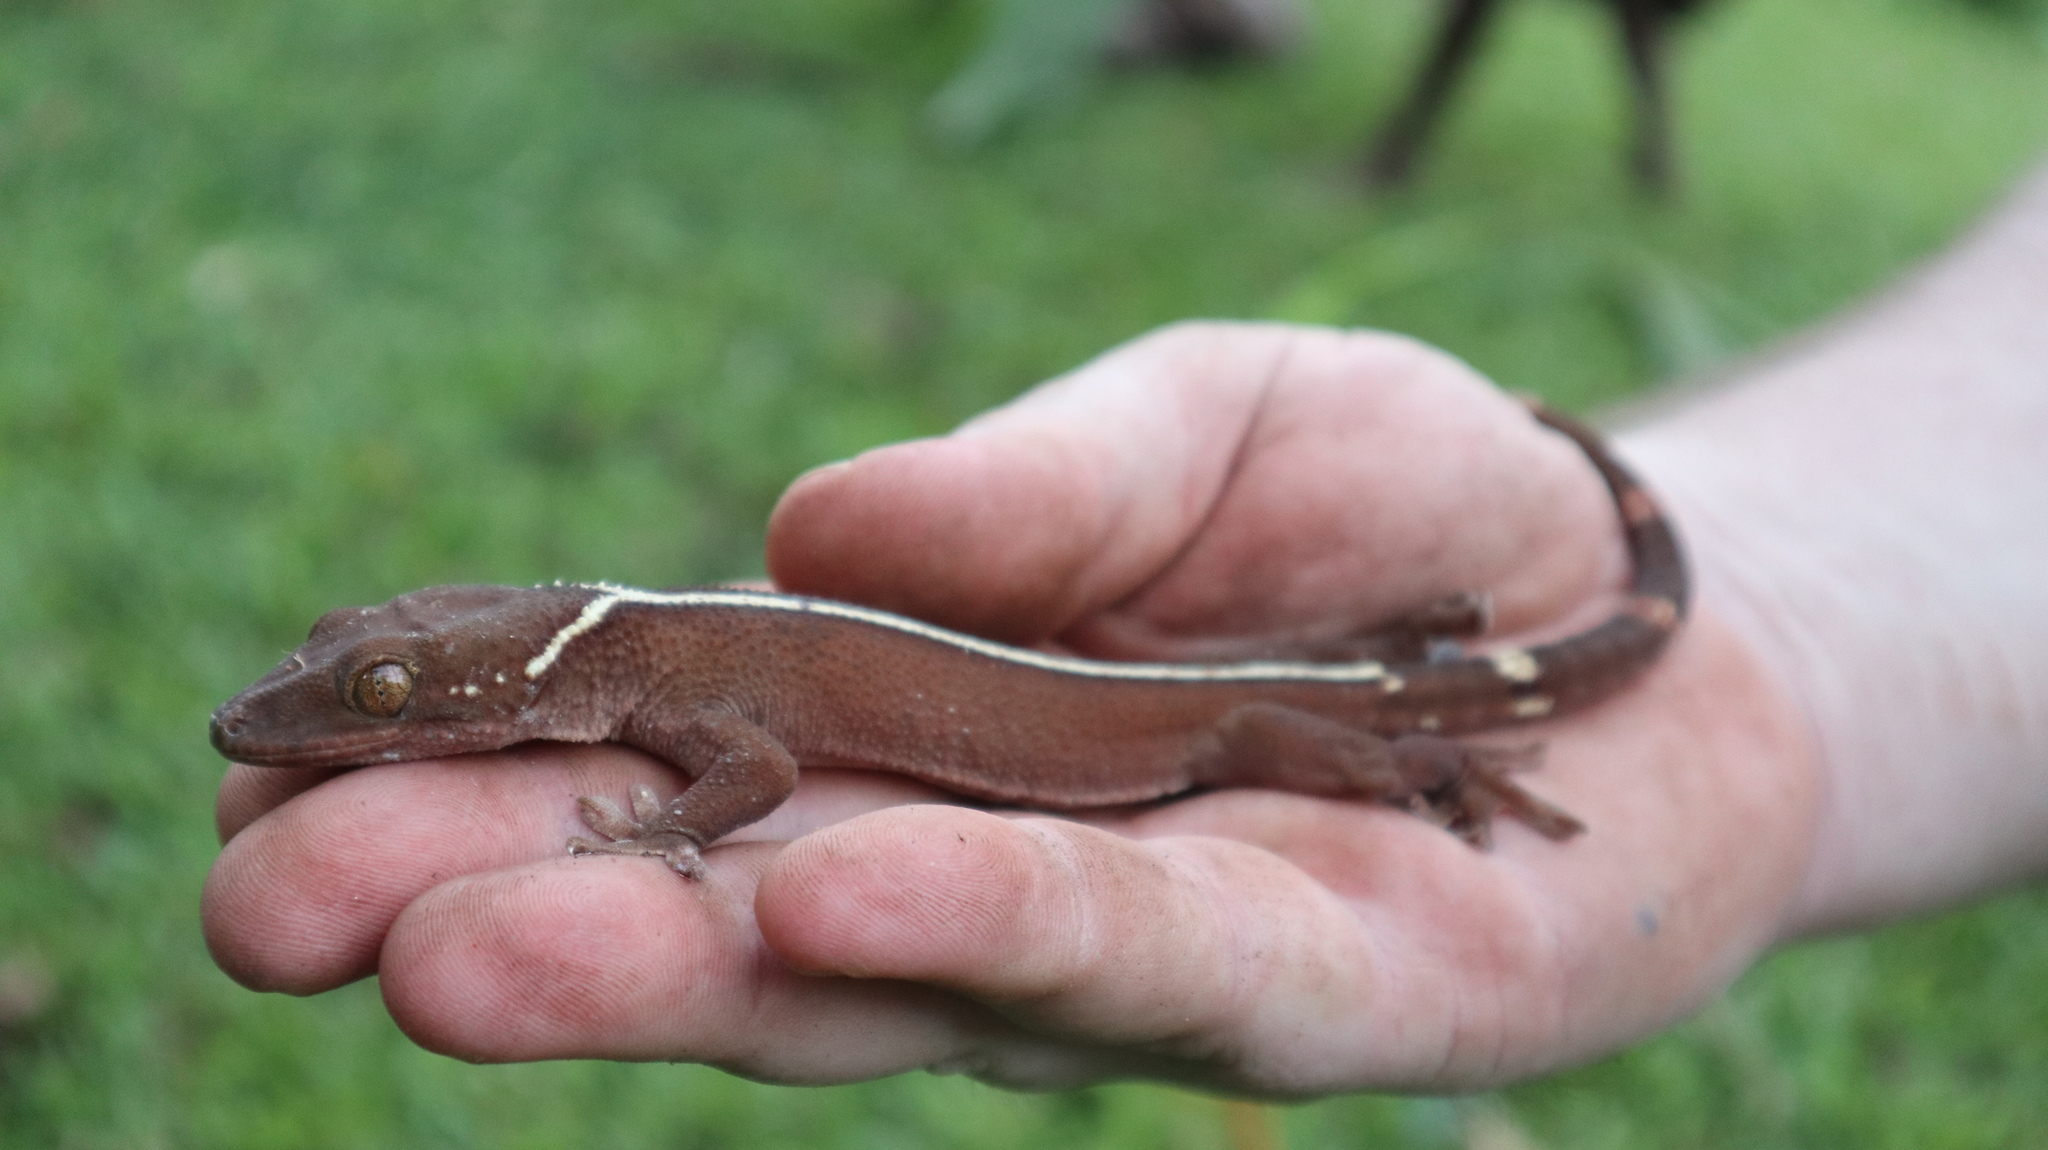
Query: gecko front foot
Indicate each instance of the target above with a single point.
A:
(645, 832)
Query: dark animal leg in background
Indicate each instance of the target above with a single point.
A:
(1393, 156)
(1643, 27)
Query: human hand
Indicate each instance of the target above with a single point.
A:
(1206, 491)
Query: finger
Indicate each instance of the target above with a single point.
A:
(1213, 957)
(1213, 479)
(301, 899)
(1378, 476)
(609, 958)
(248, 793)
(1036, 514)
(617, 958)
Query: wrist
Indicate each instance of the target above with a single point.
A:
(1882, 595)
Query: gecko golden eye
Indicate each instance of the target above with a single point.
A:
(380, 691)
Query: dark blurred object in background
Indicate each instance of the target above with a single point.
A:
(1645, 29)
(1040, 54)
(1205, 30)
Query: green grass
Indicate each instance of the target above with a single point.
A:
(308, 304)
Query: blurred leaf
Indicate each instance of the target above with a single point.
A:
(1681, 322)
(1039, 57)
(1386, 262)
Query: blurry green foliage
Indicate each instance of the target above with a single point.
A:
(1037, 55)
(303, 305)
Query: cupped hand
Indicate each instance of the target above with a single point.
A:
(1206, 492)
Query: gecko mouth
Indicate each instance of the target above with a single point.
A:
(230, 737)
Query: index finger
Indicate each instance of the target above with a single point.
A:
(1213, 480)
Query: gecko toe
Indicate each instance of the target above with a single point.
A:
(605, 817)
(682, 853)
(646, 806)
(685, 860)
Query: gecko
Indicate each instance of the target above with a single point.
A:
(737, 688)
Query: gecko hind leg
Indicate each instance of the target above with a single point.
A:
(1457, 786)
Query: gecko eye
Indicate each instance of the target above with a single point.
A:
(381, 689)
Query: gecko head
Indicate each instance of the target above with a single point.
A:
(434, 672)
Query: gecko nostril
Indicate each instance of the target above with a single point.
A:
(225, 728)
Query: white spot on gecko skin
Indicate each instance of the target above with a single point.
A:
(1429, 723)
(472, 690)
(1515, 665)
(610, 595)
(501, 676)
(1533, 706)
(451, 690)
(1392, 683)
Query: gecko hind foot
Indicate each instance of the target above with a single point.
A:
(1465, 785)
(638, 834)
(1483, 790)
(1429, 634)
(1451, 784)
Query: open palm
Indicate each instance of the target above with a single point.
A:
(1208, 492)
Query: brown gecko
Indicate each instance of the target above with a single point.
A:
(735, 688)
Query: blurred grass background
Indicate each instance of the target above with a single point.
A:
(309, 304)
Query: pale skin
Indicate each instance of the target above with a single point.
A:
(1850, 680)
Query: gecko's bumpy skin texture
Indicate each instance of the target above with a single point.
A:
(735, 688)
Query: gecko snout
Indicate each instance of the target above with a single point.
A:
(226, 727)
